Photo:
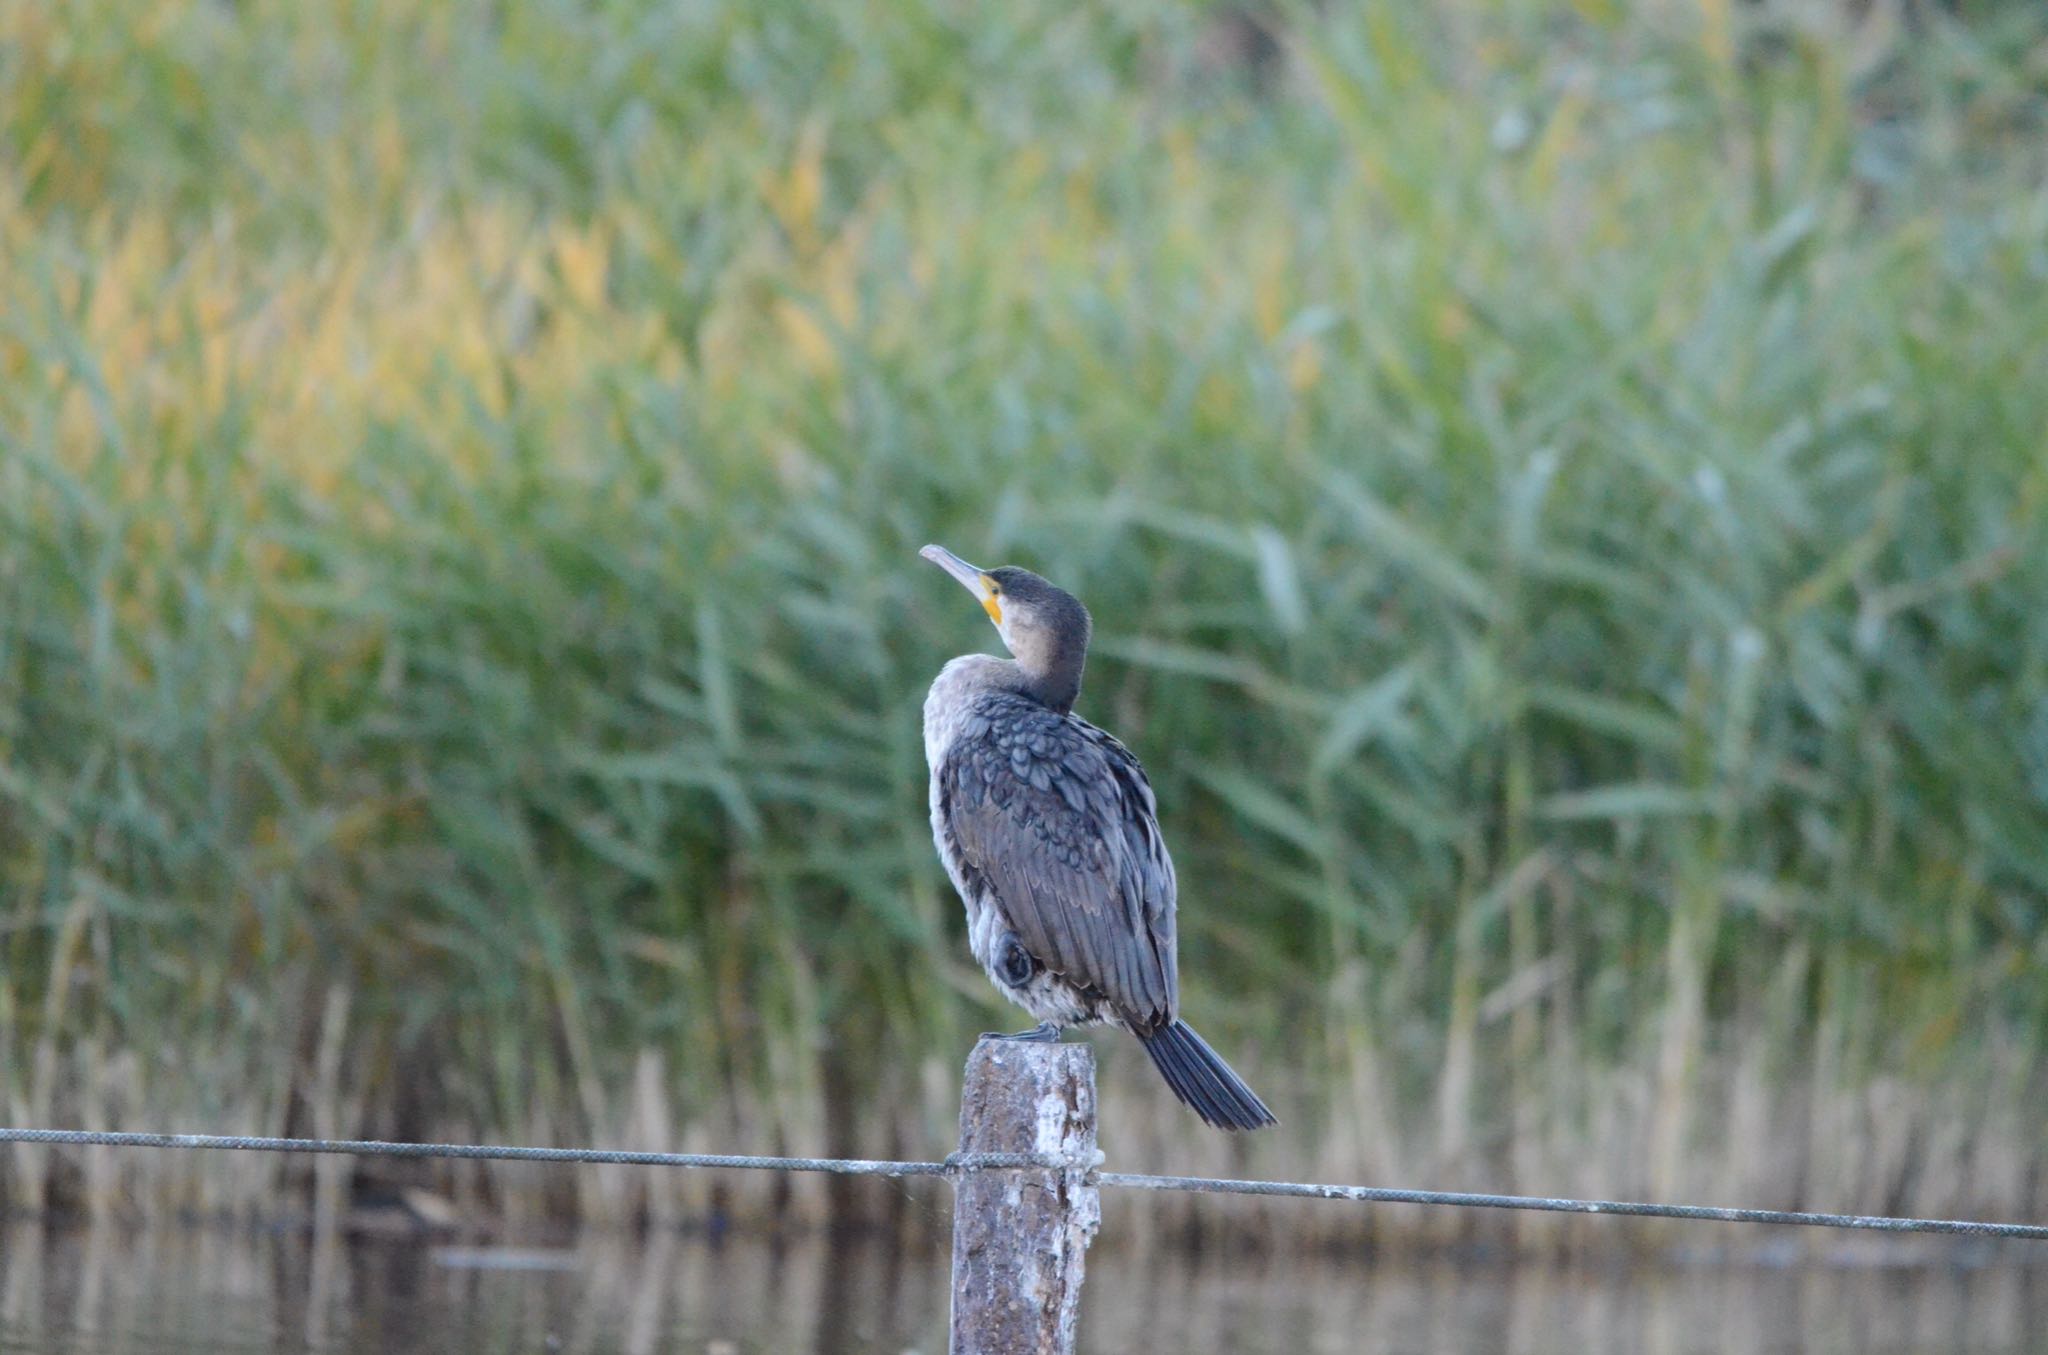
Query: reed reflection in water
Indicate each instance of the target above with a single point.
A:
(108, 1291)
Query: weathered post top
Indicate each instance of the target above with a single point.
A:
(1019, 1233)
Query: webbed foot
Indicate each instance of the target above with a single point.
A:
(1045, 1032)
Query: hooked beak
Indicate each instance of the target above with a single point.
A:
(968, 577)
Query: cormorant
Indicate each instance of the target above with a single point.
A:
(1048, 828)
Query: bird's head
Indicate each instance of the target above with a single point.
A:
(1044, 627)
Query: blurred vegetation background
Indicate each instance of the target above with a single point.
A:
(1560, 486)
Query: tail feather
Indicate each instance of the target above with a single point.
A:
(1203, 1081)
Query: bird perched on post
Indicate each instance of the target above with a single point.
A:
(1048, 828)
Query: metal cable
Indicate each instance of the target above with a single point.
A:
(961, 1163)
(1462, 1199)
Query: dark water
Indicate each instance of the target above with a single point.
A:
(115, 1292)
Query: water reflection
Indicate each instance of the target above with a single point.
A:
(1438, 1308)
(110, 1291)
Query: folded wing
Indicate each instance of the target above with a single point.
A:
(1057, 816)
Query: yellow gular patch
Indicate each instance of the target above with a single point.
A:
(992, 601)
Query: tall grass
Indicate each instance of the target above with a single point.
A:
(1560, 488)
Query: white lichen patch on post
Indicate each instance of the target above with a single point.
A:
(1020, 1234)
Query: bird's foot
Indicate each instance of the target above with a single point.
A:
(1045, 1032)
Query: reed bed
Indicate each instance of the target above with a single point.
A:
(1560, 487)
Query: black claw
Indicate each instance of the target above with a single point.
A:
(1045, 1032)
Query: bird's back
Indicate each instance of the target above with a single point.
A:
(1052, 820)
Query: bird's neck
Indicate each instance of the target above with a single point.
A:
(1053, 691)
(1054, 685)
(1052, 680)
(1049, 663)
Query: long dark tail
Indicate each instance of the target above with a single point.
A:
(1203, 1081)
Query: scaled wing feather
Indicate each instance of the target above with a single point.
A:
(1058, 818)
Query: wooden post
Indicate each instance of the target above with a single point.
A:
(1019, 1233)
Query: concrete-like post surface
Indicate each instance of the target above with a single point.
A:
(1019, 1234)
